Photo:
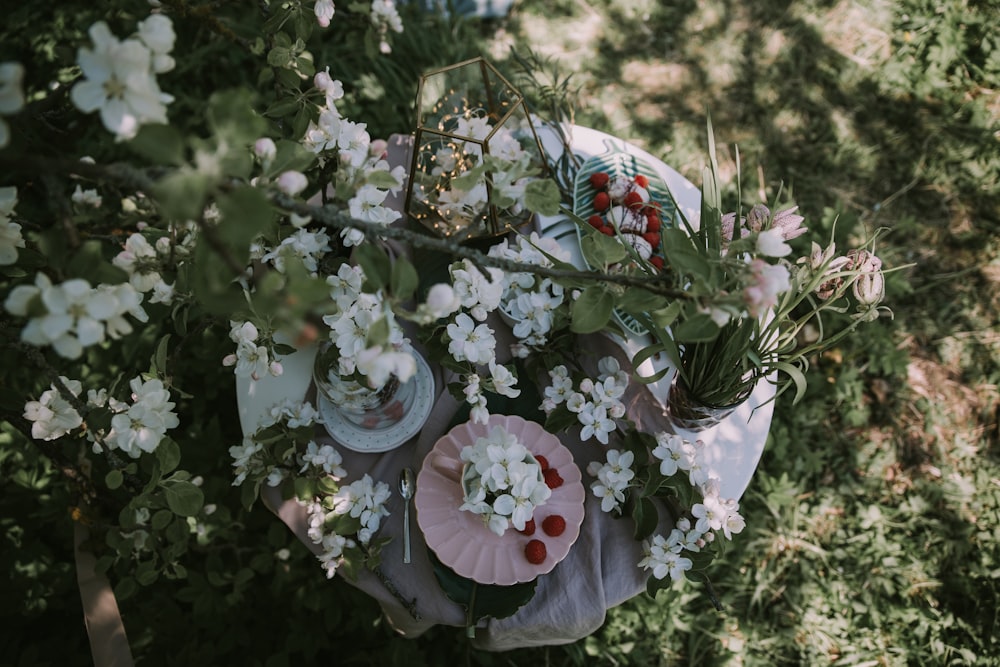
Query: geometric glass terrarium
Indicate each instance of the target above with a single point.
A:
(474, 149)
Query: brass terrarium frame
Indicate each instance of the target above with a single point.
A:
(471, 89)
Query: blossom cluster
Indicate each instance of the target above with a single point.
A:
(457, 189)
(10, 232)
(339, 516)
(614, 476)
(530, 301)
(665, 555)
(351, 328)
(120, 76)
(73, 315)
(138, 425)
(364, 178)
(143, 262)
(249, 460)
(364, 500)
(502, 480)
(472, 340)
(595, 402)
(384, 17)
(251, 359)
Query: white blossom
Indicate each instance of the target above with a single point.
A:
(120, 82)
(52, 415)
(10, 232)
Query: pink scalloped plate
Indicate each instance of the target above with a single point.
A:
(461, 540)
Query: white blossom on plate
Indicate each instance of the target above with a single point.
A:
(503, 481)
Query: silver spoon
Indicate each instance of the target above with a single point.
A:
(406, 488)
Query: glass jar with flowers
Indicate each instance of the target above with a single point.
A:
(753, 312)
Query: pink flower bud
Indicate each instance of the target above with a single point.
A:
(292, 182)
(265, 149)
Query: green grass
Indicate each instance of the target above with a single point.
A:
(874, 519)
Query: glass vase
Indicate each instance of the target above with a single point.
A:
(688, 412)
(366, 407)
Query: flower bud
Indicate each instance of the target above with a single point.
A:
(265, 149)
(292, 182)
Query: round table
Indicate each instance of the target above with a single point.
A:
(600, 571)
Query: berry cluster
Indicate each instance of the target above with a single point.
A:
(625, 203)
(553, 525)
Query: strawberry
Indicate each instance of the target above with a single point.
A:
(653, 222)
(602, 201)
(608, 229)
(652, 238)
(656, 261)
(596, 221)
(543, 462)
(535, 552)
(552, 478)
(641, 181)
(633, 199)
(529, 527)
(554, 525)
(599, 180)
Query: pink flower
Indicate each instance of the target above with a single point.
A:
(767, 281)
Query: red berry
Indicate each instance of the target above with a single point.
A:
(529, 527)
(656, 261)
(608, 229)
(633, 199)
(534, 551)
(552, 478)
(642, 181)
(596, 221)
(653, 223)
(554, 525)
(543, 462)
(602, 201)
(599, 180)
(652, 238)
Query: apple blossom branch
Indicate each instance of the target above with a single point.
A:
(129, 176)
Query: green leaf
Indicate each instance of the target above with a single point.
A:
(160, 144)
(481, 600)
(646, 518)
(542, 196)
(376, 265)
(168, 453)
(697, 328)
(600, 250)
(162, 519)
(246, 214)
(404, 279)
(290, 155)
(183, 498)
(125, 588)
(114, 479)
(592, 310)
(380, 179)
(181, 195)
(158, 362)
(146, 573)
